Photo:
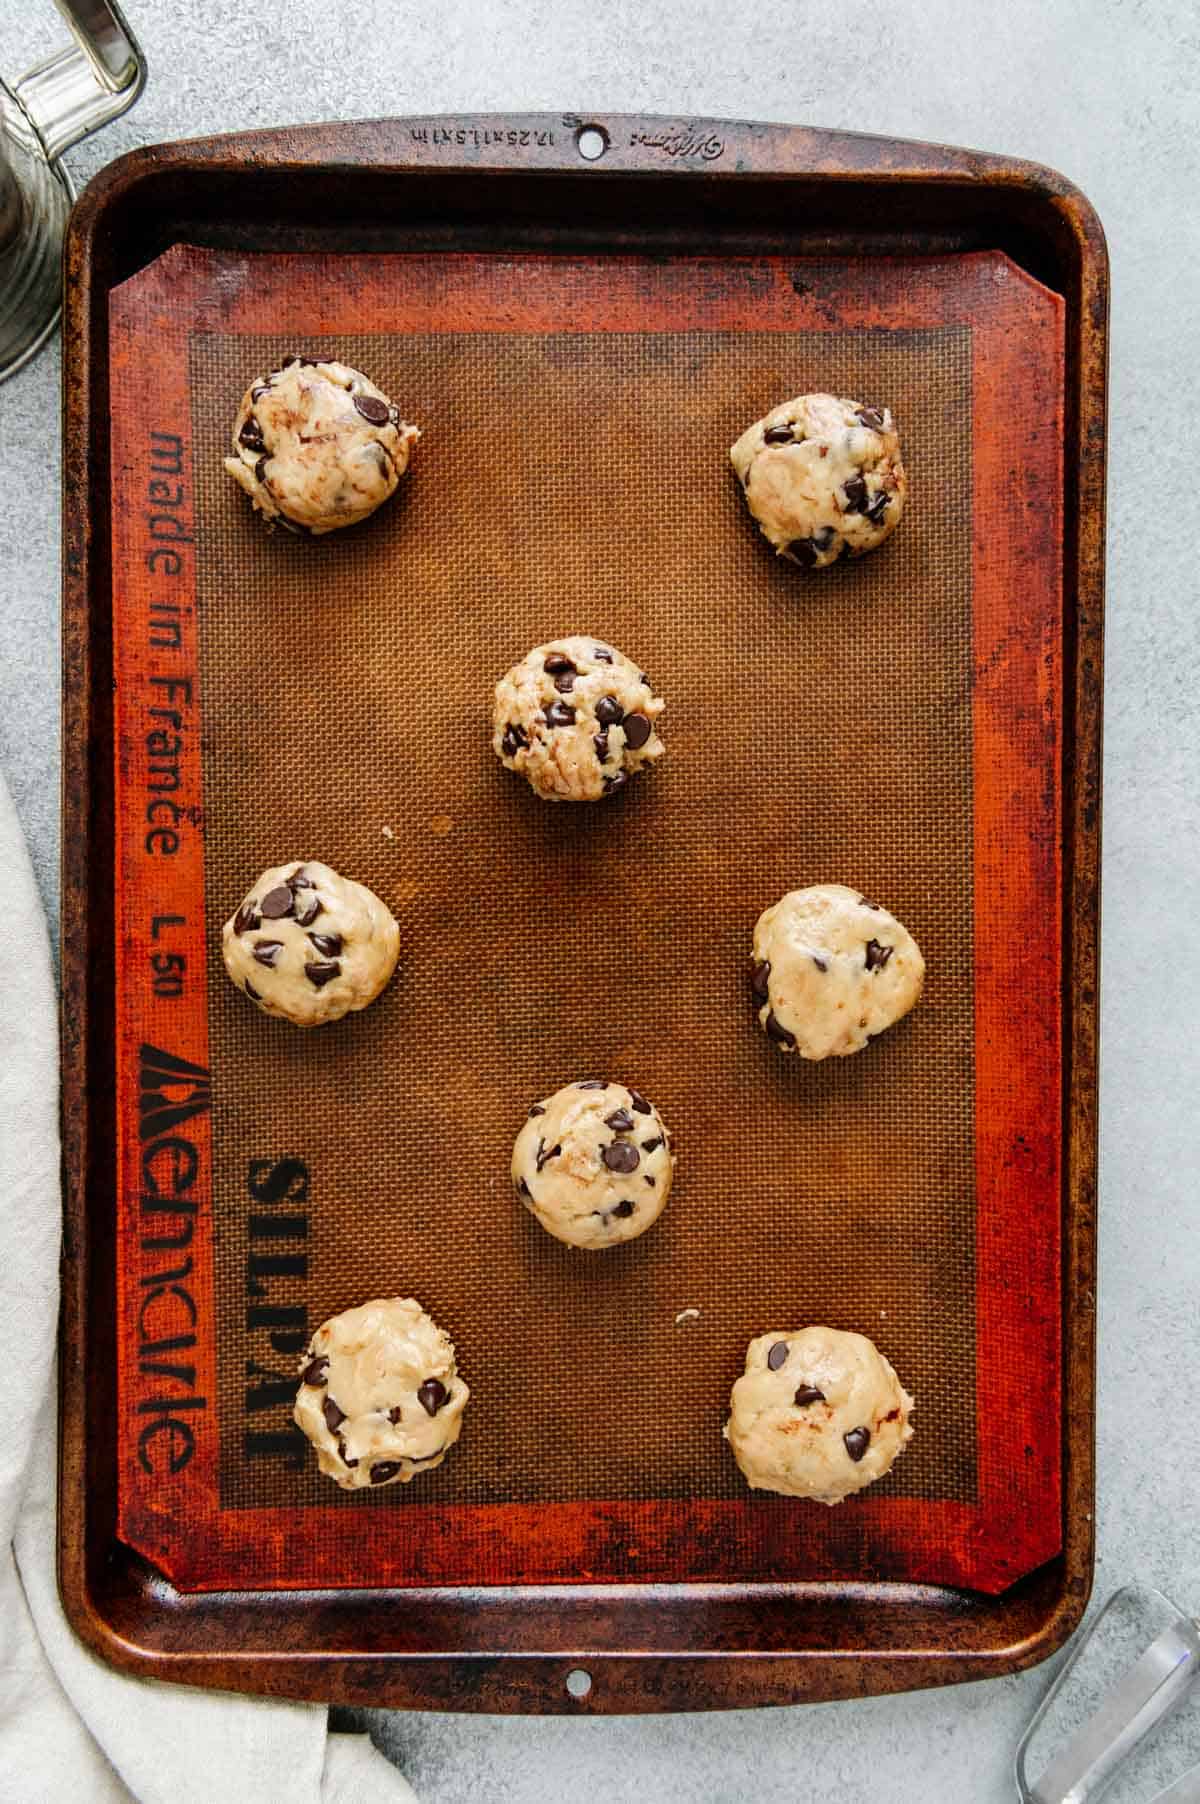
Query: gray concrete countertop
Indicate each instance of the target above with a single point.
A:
(1106, 91)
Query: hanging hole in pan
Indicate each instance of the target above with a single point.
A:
(591, 141)
(579, 1683)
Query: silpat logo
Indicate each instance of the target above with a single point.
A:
(172, 1091)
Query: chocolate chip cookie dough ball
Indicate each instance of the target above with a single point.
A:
(823, 478)
(577, 719)
(310, 945)
(819, 1413)
(593, 1163)
(380, 1397)
(829, 970)
(317, 446)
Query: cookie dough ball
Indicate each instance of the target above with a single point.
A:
(593, 1163)
(823, 478)
(830, 969)
(310, 945)
(317, 446)
(818, 1414)
(380, 1397)
(577, 718)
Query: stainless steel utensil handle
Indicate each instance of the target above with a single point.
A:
(88, 83)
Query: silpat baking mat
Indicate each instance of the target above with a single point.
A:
(891, 724)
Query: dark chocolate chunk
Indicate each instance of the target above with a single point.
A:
(855, 491)
(308, 907)
(371, 408)
(624, 1209)
(620, 1121)
(321, 974)
(384, 1469)
(640, 1104)
(395, 1413)
(821, 963)
(615, 782)
(600, 741)
(251, 991)
(877, 955)
(602, 654)
(268, 952)
(652, 1145)
(247, 918)
(259, 390)
(278, 903)
(290, 360)
(544, 1157)
(432, 1395)
(346, 1460)
(638, 729)
(592, 1083)
(515, 739)
(327, 944)
(251, 435)
(315, 1371)
(878, 507)
(808, 1393)
(804, 552)
(621, 1155)
(260, 470)
(777, 1355)
(651, 1181)
(524, 1189)
(300, 879)
(558, 664)
(643, 678)
(823, 537)
(537, 1109)
(564, 682)
(872, 417)
(394, 414)
(760, 972)
(778, 435)
(778, 1032)
(334, 1417)
(609, 711)
(559, 714)
(857, 1441)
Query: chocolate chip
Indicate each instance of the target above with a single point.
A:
(778, 435)
(559, 714)
(808, 1393)
(620, 1155)
(760, 971)
(620, 1121)
(327, 944)
(872, 417)
(893, 1415)
(878, 507)
(544, 1157)
(637, 730)
(278, 903)
(855, 492)
(345, 1457)
(820, 963)
(268, 952)
(321, 974)
(515, 739)
(777, 1355)
(601, 744)
(616, 782)
(385, 1469)
(565, 682)
(592, 1083)
(308, 907)
(643, 678)
(315, 1371)
(624, 1209)
(290, 360)
(602, 654)
(609, 711)
(877, 955)
(251, 991)
(651, 1181)
(537, 1109)
(259, 390)
(778, 1032)
(334, 1417)
(260, 472)
(524, 1189)
(652, 1145)
(251, 435)
(823, 538)
(372, 409)
(246, 919)
(558, 664)
(640, 1104)
(432, 1395)
(857, 1441)
(804, 552)
(300, 879)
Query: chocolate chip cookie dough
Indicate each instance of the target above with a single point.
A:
(380, 1397)
(823, 478)
(830, 969)
(310, 945)
(317, 446)
(577, 719)
(819, 1413)
(593, 1163)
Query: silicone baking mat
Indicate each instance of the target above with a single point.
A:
(890, 724)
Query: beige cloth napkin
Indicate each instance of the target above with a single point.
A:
(72, 1731)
